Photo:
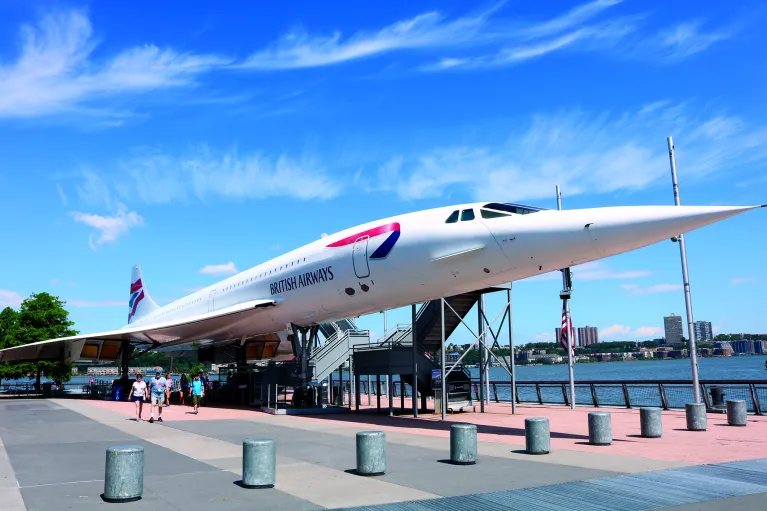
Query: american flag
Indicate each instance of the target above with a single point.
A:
(564, 330)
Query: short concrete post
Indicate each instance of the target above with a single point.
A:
(463, 444)
(537, 435)
(371, 453)
(736, 412)
(124, 474)
(651, 422)
(259, 463)
(696, 416)
(600, 428)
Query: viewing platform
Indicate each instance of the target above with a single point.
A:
(52, 457)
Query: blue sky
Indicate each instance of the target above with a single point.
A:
(206, 139)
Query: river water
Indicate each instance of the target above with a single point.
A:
(720, 368)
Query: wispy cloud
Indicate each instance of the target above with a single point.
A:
(202, 173)
(109, 227)
(219, 269)
(744, 280)
(298, 49)
(9, 299)
(595, 270)
(55, 281)
(689, 38)
(55, 71)
(635, 289)
(623, 332)
(583, 152)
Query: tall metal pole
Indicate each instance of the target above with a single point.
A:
(480, 338)
(414, 386)
(686, 279)
(389, 378)
(511, 354)
(444, 386)
(488, 358)
(566, 287)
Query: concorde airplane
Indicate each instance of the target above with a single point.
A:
(389, 263)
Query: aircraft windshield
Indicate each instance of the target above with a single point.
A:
(511, 208)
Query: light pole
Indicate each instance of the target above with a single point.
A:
(685, 279)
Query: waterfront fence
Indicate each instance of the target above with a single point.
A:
(666, 394)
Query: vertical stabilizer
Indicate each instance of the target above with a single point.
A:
(140, 303)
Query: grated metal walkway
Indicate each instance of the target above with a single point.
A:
(635, 492)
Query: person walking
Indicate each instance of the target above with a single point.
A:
(157, 385)
(168, 388)
(198, 391)
(183, 388)
(138, 395)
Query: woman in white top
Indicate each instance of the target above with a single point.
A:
(138, 394)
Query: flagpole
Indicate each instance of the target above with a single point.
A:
(568, 326)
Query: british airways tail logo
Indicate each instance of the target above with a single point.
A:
(136, 295)
(383, 250)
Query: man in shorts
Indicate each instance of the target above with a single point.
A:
(138, 394)
(157, 385)
(198, 391)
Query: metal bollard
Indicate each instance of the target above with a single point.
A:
(651, 422)
(600, 428)
(696, 416)
(259, 463)
(537, 435)
(463, 444)
(371, 453)
(736, 412)
(124, 474)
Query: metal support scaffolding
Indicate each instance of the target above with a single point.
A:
(565, 295)
(443, 400)
(511, 356)
(415, 362)
(481, 339)
(685, 279)
(482, 345)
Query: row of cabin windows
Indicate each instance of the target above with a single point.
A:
(264, 274)
(492, 210)
(179, 307)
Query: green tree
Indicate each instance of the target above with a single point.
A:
(40, 317)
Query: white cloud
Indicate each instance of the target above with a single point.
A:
(9, 299)
(614, 331)
(109, 227)
(623, 332)
(429, 30)
(648, 331)
(87, 304)
(219, 269)
(635, 289)
(582, 152)
(595, 270)
(744, 280)
(687, 38)
(156, 177)
(56, 73)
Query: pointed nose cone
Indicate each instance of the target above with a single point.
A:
(617, 230)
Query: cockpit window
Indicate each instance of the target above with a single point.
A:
(512, 208)
(486, 213)
(453, 218)
(467, 214)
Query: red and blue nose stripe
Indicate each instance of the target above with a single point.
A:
(383, 250)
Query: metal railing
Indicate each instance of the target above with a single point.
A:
(666, 394)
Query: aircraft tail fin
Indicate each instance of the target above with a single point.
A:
(140, 303)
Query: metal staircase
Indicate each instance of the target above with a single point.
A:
(336, 350)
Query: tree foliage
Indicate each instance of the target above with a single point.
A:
(39, 318)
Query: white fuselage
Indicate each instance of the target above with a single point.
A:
(429, 258)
